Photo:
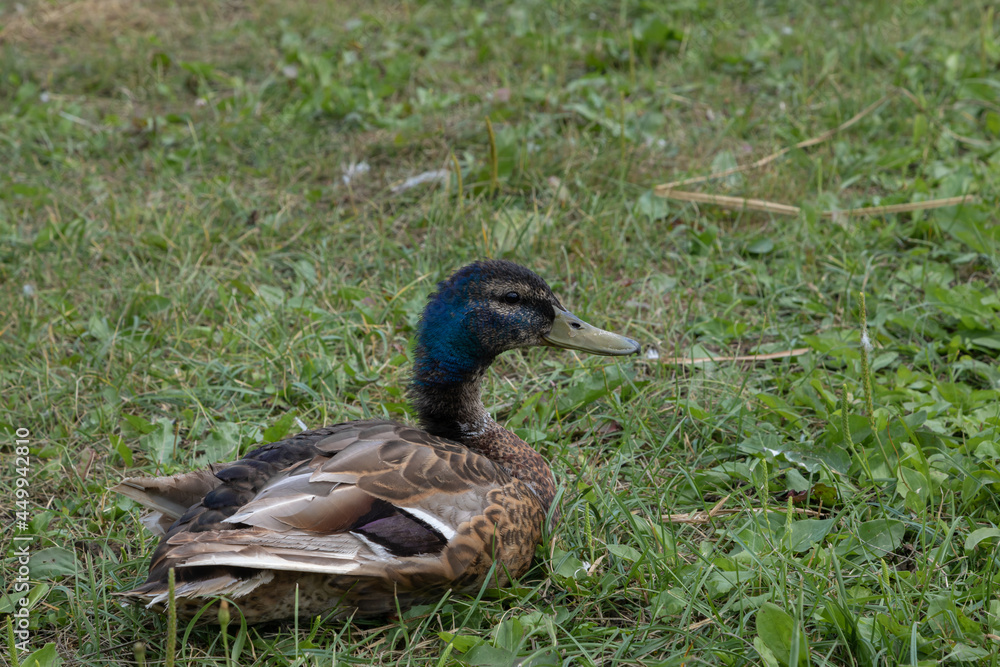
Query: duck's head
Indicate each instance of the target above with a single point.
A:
(492, 306)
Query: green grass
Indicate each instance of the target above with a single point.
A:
(183, 270)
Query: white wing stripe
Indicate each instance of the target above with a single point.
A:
(432, 521)
(336, 566)
(380, 552)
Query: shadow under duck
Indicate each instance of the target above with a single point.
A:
(368, 517)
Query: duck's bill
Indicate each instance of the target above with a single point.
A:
(572, 333)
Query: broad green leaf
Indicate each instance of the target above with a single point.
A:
(815, 457)
(485, 655)
(280, 428)
(600, 383)
(823, 493)
(978, 535)
(807, 532)
(531, 435)
(11, 601)
(98, 328)
(667, 603)
(720, 582)
(766, 654)
(159, 443)
(651, 206)
(272, 295)
(950, 619)
(546, 657)
(991, 342)
(567, 565)
(53, 562)
(881, 536)
(883, 360)
(993, 618)
(221, 444)
(964, 653)
(121, 448)
(777, 630)
(463, 643)
(914, 487)
(508, 635)
(140, 425)
(724, 161)
(761, 246)
(43, 657)
(625, 552)
(794, 481)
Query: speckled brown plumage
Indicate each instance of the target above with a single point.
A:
(372, 516)
(499, 518)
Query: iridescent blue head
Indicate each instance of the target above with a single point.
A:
(487, 308)
(480, 311)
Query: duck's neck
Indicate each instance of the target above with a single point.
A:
(447, 397)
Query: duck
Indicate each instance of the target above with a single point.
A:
(367, 518)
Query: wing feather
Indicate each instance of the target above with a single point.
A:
(323, 501)
(168, 497)
(363, 499)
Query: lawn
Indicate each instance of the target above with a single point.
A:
(219, 218)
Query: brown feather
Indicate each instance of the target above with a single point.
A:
(362, 502)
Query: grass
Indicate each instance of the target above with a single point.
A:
(185, 267)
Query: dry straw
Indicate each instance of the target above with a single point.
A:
(670, 191)
(688, 361)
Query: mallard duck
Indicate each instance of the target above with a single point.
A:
(369, 517)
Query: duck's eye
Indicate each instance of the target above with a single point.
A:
(511, 297)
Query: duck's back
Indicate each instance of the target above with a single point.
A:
(356, 515)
